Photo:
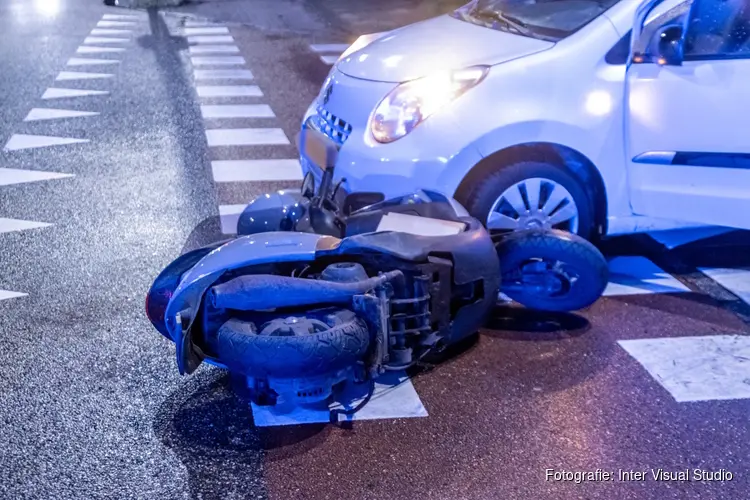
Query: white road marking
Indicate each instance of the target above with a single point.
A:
(115, 17)
(324, 48)
(228, 216)
(198, 23)
(115, 24)
(56, 93)
(53, 114)
(9, 176)
(223, 74)
(228, 91)
(256, 170)
(99, 39)
(736, 281)
(80, 75)
(25, 141)
(679, 237)
(211, 39)
(246, 137)
(330, 60)
(208, 30)
(217, 60)
(12, 225)
(237, 111)
(77, 61)
(100, 31)
(715, 367)
(217, 49)
(83, 49)
(7, 294)
(638, 275)
(394, 397)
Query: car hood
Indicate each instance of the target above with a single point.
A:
(441, 43)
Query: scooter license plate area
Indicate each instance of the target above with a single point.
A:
(419, 226)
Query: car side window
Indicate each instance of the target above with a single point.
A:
(619, 54)
(718, 29)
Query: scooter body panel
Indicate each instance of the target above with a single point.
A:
(244, 251)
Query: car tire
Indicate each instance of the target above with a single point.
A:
(240, 348)
(485, 191)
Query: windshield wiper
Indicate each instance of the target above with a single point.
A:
(512, 23)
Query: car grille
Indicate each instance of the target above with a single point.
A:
(330, 125)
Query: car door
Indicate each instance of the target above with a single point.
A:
(688, 112)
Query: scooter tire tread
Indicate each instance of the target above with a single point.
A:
(551, 244)
(241, 349)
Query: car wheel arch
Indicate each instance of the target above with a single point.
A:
(559, 155)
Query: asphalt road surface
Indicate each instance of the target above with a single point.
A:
(108, 175)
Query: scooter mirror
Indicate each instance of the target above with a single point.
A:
(317, 149)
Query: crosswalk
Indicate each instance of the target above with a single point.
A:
(239, 127)
(329, 53)
(108, 39)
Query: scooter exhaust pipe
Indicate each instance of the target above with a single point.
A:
(265, 291)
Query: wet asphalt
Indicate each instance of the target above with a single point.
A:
(92, 406)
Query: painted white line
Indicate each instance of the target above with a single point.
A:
(228, 91)
(638, 275)
(98, 50)
(98, 39)
(12, 225)
(53, 114)
(209, 30)
(7, 294)
(714, 367)
(679, 237)
(237, 111)
(330, 60)
(736, 281)
(246, 137)
(324, 48)
(197, 23)
(100, 31)
(217, 60)
(115, 24)
(79, 75)
(394, 397)
(77, 61)
(9, 176)
(213, 49)
(256, 170)
(211, 39)
(25, 141)
(228, 216)
(115, 17)
(56, 93)
(223, 74)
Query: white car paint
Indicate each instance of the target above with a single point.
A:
(563, 93)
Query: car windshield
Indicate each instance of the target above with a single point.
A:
(544, 19)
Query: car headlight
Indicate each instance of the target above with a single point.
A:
(412, 102)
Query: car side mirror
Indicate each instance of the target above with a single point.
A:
(668, 44)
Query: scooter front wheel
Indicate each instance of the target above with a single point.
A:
(551, 270)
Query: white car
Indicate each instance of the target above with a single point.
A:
(550, 113)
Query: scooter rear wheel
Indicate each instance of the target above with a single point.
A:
(551, 270)
(326, 343)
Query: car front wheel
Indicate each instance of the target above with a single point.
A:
(530, 195)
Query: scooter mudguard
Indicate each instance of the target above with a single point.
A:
(277, 211)
(241, 252)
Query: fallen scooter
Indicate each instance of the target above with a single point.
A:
(310, 296)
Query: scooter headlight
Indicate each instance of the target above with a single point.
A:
(412, 102)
